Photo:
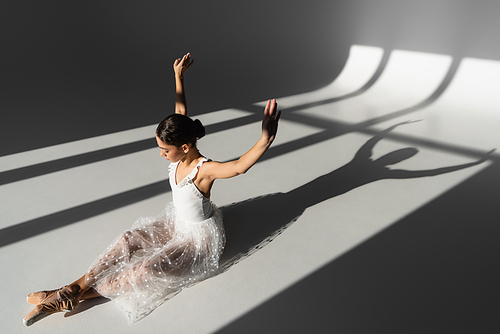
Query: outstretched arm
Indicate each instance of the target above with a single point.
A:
(217, 170)
(408, 174)
(181, 65)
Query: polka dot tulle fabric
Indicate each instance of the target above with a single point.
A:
(156, 259)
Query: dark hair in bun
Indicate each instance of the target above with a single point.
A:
(178, 130)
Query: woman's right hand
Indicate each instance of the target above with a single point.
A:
(181, 65)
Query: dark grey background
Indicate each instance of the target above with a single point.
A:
(72, 70)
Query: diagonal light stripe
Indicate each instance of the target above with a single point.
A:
(409, 79)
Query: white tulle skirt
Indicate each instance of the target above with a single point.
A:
(156, 259)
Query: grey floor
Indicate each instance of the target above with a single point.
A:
(375, 211)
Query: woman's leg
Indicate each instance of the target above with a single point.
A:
(89, 294)
(80, 287)
(68, 297)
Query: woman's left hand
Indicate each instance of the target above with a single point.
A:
(270, 120)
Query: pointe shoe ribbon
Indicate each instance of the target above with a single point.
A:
(40, 296)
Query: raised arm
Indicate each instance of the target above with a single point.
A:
(217, 170)
(365, 152)
(181, 65)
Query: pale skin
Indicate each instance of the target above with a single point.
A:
(188, 157)
(181, 65)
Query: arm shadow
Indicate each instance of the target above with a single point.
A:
(252, 224)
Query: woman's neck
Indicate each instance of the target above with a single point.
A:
(191, 156)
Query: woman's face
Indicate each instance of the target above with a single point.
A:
(170, 152)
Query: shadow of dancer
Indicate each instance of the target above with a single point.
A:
(251, 224)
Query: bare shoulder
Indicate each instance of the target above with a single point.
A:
(212, 170)
(219, 170)
(208, 167)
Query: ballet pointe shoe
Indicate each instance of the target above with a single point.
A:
(64, 301)
(39, 297)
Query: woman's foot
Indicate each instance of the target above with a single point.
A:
(61, 300)
(42, 310)
(49, 295)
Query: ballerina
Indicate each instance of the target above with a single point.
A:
(159, 256)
